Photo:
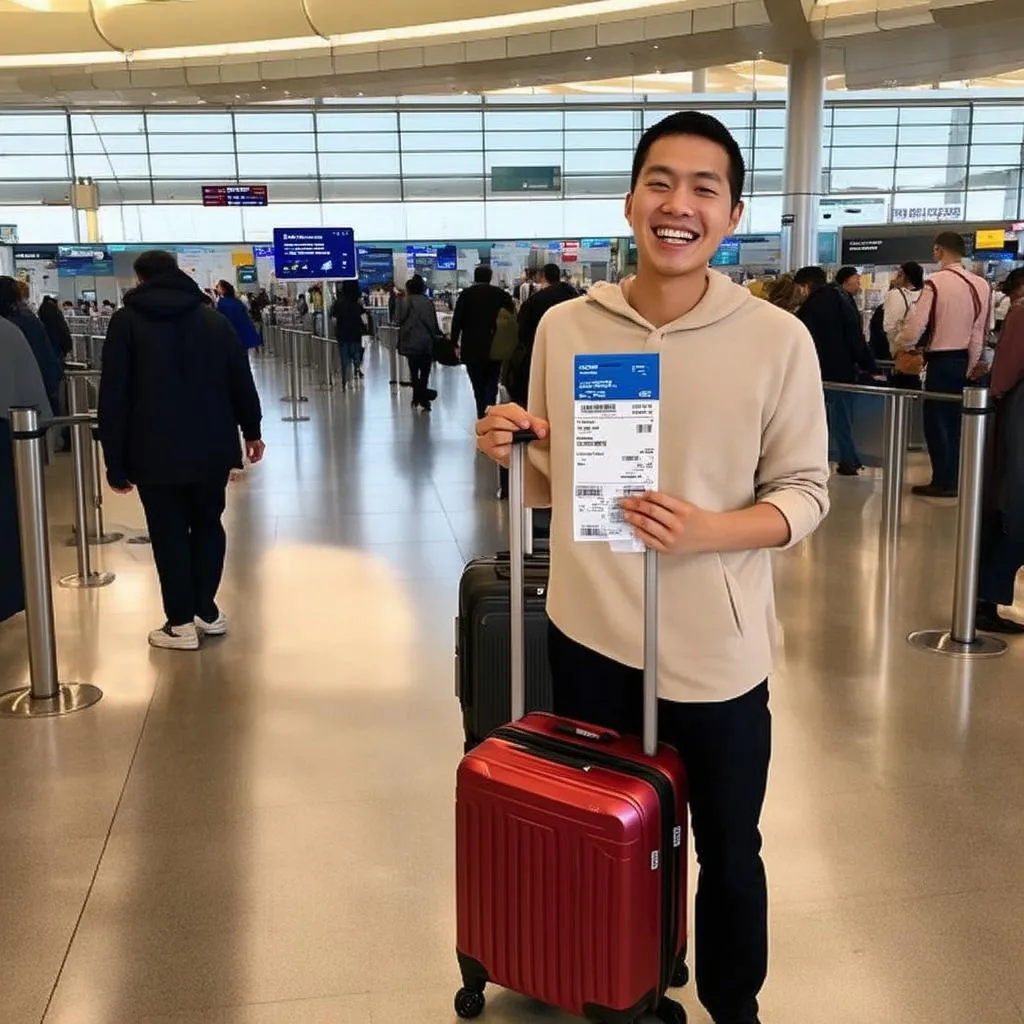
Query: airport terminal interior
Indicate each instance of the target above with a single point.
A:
(263, 831)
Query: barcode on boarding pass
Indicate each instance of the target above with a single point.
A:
(645, 428)
(592, 531)
(587, 491)
(593, 407)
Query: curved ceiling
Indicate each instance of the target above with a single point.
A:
(94, 52)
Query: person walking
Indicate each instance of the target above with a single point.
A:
(473, 325)
(229, 305)
(418, 329)
(351, 323)
(832, 318)
(948, 324)
(176, 389)
(718, 512)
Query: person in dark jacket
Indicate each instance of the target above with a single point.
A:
(843, 353)
(175, 390)
(234, 309)
(418, 327)
(12, 308)
(56, 326)
(473, 326)
(552, 292)
(1002, 538)
(21, 384)
(351, 323)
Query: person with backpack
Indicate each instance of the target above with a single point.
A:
(484, 321)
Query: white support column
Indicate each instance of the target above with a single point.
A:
(805, 108)
(699, 82)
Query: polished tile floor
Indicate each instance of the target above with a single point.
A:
(262, 833)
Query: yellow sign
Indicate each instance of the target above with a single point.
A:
(991, 238)
(243, 257)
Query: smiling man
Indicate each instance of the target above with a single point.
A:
(743, 469)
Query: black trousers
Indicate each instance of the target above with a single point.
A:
(1002, 557)
(419, 370)
(484, 378)
(947, 372)
(726, 748)
(189, 544)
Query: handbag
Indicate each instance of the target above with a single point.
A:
(444, 351)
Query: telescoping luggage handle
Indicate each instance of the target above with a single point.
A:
(517, 551)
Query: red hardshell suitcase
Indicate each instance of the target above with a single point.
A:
(570, 851)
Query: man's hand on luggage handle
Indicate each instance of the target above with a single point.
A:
(494, 432)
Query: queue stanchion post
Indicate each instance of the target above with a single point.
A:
(45, 696)
(962, 638)
(897, 422)
(295, 396)
(393, 356)
(81, 443)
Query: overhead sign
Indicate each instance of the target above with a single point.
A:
(376, 266)
(314, 254)
(727, 254)
(8, 234)
(246, 274)
(886, 249)
(926, 214)
(84, 261)
(993, 238)
(263, 252)
(35, 252)
(526, 179)
(235, 195)
(570, 251)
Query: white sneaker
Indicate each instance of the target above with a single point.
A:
(218, 627)
(175, 638)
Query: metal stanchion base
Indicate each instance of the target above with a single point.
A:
(288, 398)
(73, 697)
(142, 538)
(940, 641)
(294, 419)
(94, 579)
(107, 538)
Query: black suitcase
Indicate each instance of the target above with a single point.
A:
(483, 644)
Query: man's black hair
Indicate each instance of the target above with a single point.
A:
(552, 273)
(704, 126)
(811, 278)
(914, 273)
(483, 274)
(416, 285)
(227, 289)
(951, 242)
(153, 263)
(843, 274)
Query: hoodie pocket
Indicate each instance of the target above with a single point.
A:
(735, 597)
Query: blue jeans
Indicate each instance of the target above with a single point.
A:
(947, 373)
(839, 408)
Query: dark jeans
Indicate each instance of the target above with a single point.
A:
(351, 353)
(419, 370)
(839, 409)
(184, 523)
(726, 748)
(1002, 557)
(484, 378)
(947, 373)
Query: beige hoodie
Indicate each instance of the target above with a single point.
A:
(742, 419)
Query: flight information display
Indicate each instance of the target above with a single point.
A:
(314, 254)
(235, 195)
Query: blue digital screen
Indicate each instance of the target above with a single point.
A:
(376, 266)
(84, 261)
(314, 254)
(262, 251)
(728, 254)
(447, 258)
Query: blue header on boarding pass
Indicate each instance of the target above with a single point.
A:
(611, 378)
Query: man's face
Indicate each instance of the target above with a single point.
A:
(852, 284)
(681, 208)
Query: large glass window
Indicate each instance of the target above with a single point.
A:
(189, 124)
(363, 121)
(190, 144)
(270, 165)
(193, 165)
(356, 143)
(266, 121)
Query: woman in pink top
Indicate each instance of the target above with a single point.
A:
(1002, 545)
